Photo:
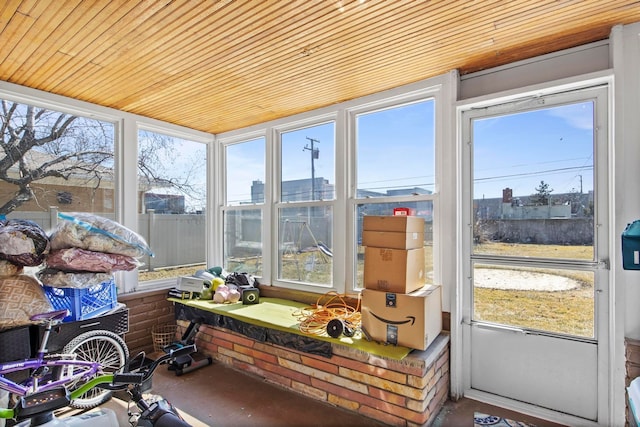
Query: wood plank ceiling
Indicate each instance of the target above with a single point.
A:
(219, 65)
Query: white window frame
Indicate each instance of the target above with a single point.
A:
(220, 192)
(442, 89)
(131, 154)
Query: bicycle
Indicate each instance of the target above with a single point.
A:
(87, 355)
(37, 409)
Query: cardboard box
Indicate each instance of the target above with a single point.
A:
(394, 223)
(393, 240)
(394, 270)
(411, 320)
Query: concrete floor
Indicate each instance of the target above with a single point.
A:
(219, 396)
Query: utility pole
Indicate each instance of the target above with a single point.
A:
(580, 183)
(315, 153)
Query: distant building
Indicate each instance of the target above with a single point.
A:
(565, 205)
(164, 203)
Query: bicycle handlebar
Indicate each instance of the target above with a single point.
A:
(118, 381)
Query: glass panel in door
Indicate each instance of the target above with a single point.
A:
(533, 219)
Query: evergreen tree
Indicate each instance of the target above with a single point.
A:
(542, 195)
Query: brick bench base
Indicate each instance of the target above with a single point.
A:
(407, 392)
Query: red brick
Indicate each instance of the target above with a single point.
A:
(332, 368)
(255, 354)
(343, 403)
(282, 371)
(278, 379)
(309, 391)
(350, 394)
(386, 396)
(278, 351)
(371, 402)
(377, 371)
(224, 343)
(235, 338)
(382, 416)
(443, 359)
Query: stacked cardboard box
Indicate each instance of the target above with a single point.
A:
(397, 306)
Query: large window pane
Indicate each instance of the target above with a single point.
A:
(172, 191)
(395, 151)
(533, 183)
(422, 209)
(54, 160)
(308, 164)
(305, 244)
(245, 172)
(243, 241)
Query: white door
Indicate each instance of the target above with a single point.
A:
(535, 251)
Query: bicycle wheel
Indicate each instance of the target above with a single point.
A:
(103, 347)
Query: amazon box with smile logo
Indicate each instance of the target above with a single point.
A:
(411, 320)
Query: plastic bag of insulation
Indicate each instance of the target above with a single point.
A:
(63, 279)
(76, 259)
(98, 234)
(23, 242)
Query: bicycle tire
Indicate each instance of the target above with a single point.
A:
(104, 347)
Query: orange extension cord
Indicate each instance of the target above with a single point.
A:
(314, 319)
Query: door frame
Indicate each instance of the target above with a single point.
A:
(459, 344)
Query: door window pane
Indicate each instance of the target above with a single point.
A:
(245, 172)
(172, 190)
(308, 164)
(533, 204)
(395, 151)
(533, 187)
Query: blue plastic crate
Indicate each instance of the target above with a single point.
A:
(83, 303)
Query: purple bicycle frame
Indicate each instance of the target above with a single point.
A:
(44, 360)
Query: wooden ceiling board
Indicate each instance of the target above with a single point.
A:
(324, 46)
(225, 66)
(202, 67)
(44, 62)
(292, 71)
(35, 39)
(100, 43)
(217, 65)
(104, 45)
(382, 45)
(145, 59)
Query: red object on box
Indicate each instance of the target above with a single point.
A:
(402, 211)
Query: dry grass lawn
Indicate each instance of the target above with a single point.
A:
(566, 312)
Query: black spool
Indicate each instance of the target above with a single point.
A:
(337, 327)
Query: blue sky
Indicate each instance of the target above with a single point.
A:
(554, 145)
(396, 150)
